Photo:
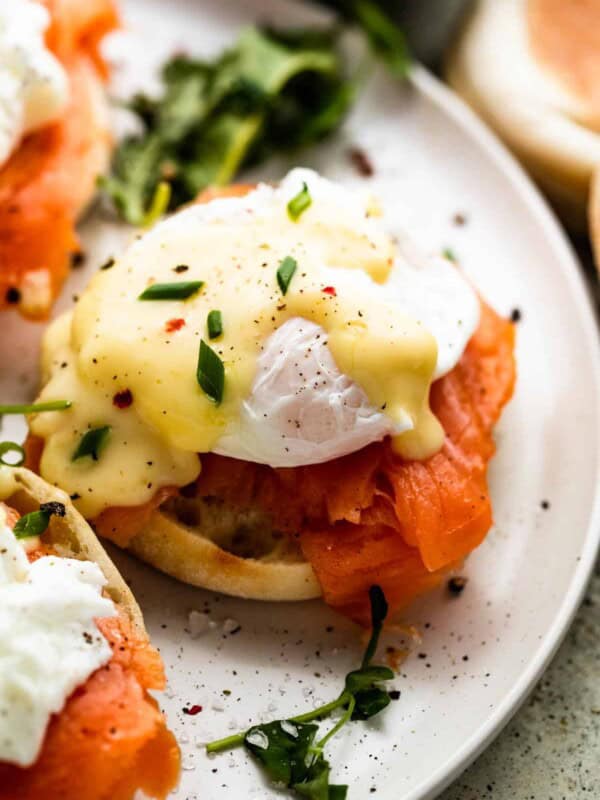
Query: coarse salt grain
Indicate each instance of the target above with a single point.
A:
(198, 623)
(230, 625)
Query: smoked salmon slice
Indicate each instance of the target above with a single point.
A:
(51, 177)
(110, 739)
(372, 517)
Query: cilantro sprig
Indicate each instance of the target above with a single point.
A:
(290, 751)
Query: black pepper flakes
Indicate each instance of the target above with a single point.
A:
(456, 585)
(54, 509)
(12, 296)
(77, 259)
(516, 315)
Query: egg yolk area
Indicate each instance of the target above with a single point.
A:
(116, 343)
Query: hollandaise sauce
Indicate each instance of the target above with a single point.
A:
(178, 322)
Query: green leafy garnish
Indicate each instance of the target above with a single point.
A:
(36, 522)
(34, 408)
(299, 203)
(214, 323)
(91, 443)
(288, 750)
(171, 291)
(11, 447)
(210, 373)
(285, 273)
(271, 92)
(385, 37)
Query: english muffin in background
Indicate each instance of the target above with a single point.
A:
(531, 68)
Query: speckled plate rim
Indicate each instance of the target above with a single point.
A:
(539, 210)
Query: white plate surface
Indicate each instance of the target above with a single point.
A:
(479, 654)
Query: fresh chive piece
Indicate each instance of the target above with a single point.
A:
(210, 373)
(214, 323)
(32, 524)
(11, 447)
(171, 291)
(158, 206)
(298, 204)
(91, 443)
(36, 522)
(285, 273)
(448, 253)
(34, 408)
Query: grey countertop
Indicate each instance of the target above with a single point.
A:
(551, 749)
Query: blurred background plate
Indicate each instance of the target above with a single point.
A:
(445, 179)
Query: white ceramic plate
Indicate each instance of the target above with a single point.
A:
(480, 654)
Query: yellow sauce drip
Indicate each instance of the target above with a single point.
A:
(115, 341)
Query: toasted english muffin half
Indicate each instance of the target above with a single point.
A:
(208, 544)
(531, 69)
(70, 535)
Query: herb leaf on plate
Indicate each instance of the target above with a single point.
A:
(270, 92)
(288, 750)
(385, 37)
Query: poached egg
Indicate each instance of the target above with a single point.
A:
(340, 356)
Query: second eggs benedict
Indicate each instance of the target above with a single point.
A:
(248, 349)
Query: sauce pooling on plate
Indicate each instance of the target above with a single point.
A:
(280, 327)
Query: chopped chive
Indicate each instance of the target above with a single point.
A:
(214, 323)
(32, 524)
(158, 206)
(34, 408)
(298, 204)
(91, 443)
(11, 447)
(36, 522)
(285, 273)
(109, 264)
(210, 373)
(171, 291)
(449, 254)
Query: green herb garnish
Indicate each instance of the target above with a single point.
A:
(91, 443)
(374, 17)
(270, 92)
(171, 291)
(11, 447)
(34, 408)
(448, 253)
(285, 273)
(214, 323)
(36, 522)
(159, 205)
(298, 204)
(210, 373)
(289, 751)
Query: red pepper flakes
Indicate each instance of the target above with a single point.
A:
(330, 290)
(192, 710)
(123, 399)
(174, 324)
